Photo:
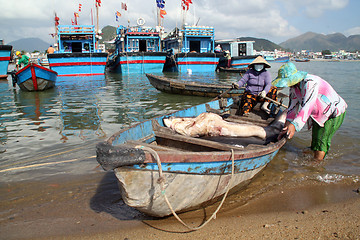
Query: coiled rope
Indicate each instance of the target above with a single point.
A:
(162, 180)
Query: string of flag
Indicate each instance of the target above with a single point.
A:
(118, 14)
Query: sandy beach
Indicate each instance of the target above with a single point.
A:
(91, 208)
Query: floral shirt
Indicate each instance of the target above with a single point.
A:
(313, 98)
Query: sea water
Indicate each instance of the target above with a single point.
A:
(54, 132)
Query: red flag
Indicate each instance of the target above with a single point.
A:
(162, 13)
(98, 3)
(80, 5)
(118, 14)
(123, 6)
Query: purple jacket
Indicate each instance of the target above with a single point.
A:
(256, 81)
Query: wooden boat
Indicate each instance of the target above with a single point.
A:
(193, 171)
(175, 86)
(5, 56)
(34, 77)
(233, 70)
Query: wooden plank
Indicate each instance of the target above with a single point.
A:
(197, 141)
(153, 146)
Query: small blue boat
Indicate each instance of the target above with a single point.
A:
(193, 170)
(191, 49)
(138, 50)
(5, 56)
(34, 77)
(77, 53)
(282, 59)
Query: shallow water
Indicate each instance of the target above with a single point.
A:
(53, 133)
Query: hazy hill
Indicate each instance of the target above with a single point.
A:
(30, 44)
(318, 42)
(262, 44)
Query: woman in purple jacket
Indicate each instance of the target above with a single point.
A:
(258, 85)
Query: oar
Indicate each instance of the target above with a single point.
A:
(226, 92)
(276, 102)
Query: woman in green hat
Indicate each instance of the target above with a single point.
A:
(311, 97)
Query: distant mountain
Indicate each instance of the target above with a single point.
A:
(30, 45)
(318, 42)
(262, 44)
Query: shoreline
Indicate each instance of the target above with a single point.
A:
(91, 208)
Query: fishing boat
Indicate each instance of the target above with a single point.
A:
(191, 49)
(34, 77)
(138, 50)
(5, 56)
(282, 59)
(241, 52)
(192, 88)
(302, 60)
(161, 172)
(77, 54)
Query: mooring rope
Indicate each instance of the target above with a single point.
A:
(162, 180)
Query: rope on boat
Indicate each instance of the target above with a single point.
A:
(162, 180)
(44, 164)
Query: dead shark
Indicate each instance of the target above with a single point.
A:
(211, 124)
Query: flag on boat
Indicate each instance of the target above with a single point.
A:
(160, 3)
(123, 6)
(80, 5)
(186, 4)
(117, 15)
(98, 3)
(162, 13)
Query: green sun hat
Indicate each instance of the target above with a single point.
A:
(288, 76)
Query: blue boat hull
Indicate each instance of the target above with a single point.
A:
(34, 77)
(138, 62)
(5, 56)
(77, 64)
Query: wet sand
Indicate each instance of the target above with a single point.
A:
(90, 207)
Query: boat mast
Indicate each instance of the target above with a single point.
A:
(97, 25)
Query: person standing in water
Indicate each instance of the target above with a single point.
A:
(311, 97)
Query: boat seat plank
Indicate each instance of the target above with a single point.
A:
(197, 141)
(153, 146)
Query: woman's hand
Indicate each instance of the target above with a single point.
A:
(288, 130)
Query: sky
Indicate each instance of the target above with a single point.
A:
(275, 20)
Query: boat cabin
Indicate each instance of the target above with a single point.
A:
(198, 39)
(76, 39)
(137, 39)
(237, 48)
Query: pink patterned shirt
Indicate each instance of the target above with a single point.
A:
(313, 98)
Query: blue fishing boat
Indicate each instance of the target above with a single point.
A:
(34, 77)
(241, 52)
(282, 59)
(138, 49)
(191, 49)
(159, 169)
(5, 56)
(77, 53)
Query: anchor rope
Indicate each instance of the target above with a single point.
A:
(162, 180)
